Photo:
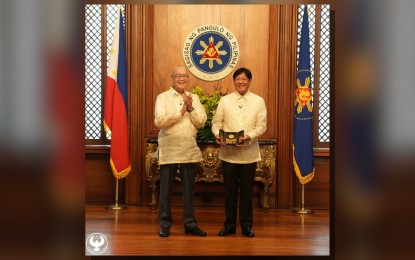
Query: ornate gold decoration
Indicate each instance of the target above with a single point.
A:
(210, 165)
(152, 173)
(265, 173)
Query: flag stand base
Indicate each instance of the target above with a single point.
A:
(303, 211)
(116, 207)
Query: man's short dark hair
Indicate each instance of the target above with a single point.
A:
(242, 70)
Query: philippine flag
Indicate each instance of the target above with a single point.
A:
(116, 103)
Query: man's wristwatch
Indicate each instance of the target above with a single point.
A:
(190, 110)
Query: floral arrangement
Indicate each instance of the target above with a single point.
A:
(210, 103)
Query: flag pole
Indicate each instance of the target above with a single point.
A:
(302, 210)
(116, 206)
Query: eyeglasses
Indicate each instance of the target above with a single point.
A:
(178, 76)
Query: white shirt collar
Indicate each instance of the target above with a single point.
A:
(175, 93)
(239, 96)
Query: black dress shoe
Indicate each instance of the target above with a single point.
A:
(196, 231)
(227, 231)
(248, 232)
(164, 232)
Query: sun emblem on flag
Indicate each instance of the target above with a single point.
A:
(303, 95)
(211, 52)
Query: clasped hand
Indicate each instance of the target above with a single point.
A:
(188, 100)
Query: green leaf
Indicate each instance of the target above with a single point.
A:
(210, 103)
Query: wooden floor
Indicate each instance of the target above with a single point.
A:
(134, 231)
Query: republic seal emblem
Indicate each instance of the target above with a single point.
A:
(211, 52)
(96, 243)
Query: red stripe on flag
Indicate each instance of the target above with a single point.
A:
(115, 119)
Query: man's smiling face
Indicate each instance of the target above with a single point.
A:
(180, 79)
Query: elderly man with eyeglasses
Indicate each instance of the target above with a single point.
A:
(178, 114)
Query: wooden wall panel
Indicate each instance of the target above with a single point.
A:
(99, 180)
(255, 50)
(285, 70)
(135, 38)
(316, 191)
